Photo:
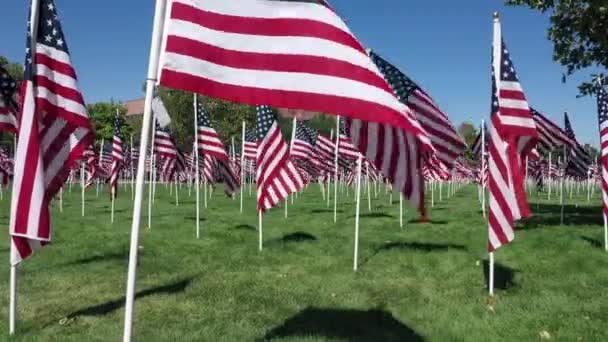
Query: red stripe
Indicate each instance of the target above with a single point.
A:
(55, 65)
(75, 118)
(283, 27)
(274, 62)
(512, 94)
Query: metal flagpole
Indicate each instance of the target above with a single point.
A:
(491, 274)
(550, 178)
(293, 137)
(561, 189)
(82, 187)
(483, 166)
(369, 192)
(176, 192)
(159, 14)
(336, 168)
(357, 211)
(196, 171)
(331, 136)
(112, 195)
(132, 174)
(99, 163)
(260, 235)
(152, 169)
(242, 164)
(605, 233)
(400, 210)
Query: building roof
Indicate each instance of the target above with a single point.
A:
(135, 107)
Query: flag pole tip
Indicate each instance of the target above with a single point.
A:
(496, 15)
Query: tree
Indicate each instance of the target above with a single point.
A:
(102, 116)
(13, 69)
(468, 132)
(579, 32)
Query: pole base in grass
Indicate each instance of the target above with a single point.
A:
(491, 302)
(424, 217)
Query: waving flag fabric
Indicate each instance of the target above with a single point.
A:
(551, 136)
(276, 174)
(54, 130)
(578, 160)
(8, 102)
(512, 136)
(118, 158)
(602, 113)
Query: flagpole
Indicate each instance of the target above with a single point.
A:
(550, 179)
(336, 168)
(260, 235)
(82, 187)
(400, 210)
(112, 195)
(357, 212)
(132, 175)
(242, 163)
(176, 191)
(145, 130)
(483, 165)
(491, 274)
(196, 171)
(61, 199)
(99, 164)
(369, 192)
(605, 233)
(293, 137)
(152, 169)
(561, 189)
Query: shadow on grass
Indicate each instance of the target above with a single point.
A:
(108, 307)
(428, 221)
(321, 211)
(298, 237)
(104, 257)
(193, 218)
(344, 324)
(503, 276)
(374, 215)
(550, 215)
(245, 227)
(593, 242)
(420, 246)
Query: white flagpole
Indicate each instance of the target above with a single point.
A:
(432, 193)
(369, 191)
(176, 192)
(605, 233)
(293, 137)
(491, 274)
(561, 189)
(357, 211)
(205, 193)
(112, 195)
(400, 210)
(336, 168)
(82, 188)
(550, 179)
(260, 235)
(242, 164)
(483, 165)
(196, 171)
(331, 136)
(159, 14)
(61, 199)
(99, 164)
(132, 175)
(151, 172)
(13, 296)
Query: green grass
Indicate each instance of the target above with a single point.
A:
(425, 281)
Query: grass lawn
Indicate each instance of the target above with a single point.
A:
(424, 282)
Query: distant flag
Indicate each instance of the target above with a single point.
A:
(476, 146)
(250, 145)
(578, 160)
(550, 135)
(345, 148)
(8, 103)
(118, 157)
(277, 176)
(302, 145)
(54, 131)
(90, 160)
(602, 111)
(444, 137)
(512, 136)
(212, 147)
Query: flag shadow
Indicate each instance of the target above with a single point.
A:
(344, 324)
(296, 237)
(321, 211)
(374, 215)
(593, 242)
(442, 222)
(245, 227)
(504, 276)
(124, 255)
(420, 246)
(544, 215)
(113, 305)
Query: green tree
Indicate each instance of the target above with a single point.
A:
(468, 132)
(579, 32)
(13, 69)
(102, 116)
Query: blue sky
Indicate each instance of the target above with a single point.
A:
(443, 45)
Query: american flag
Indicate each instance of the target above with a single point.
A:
(444, 137)
(322, 150)
(512, 136)
(54, 130)
(8, 103)
(578, 160)
(302, 148)
(276, 175)
(602, 113)
(118, 157)
(287, 54)
(250, 145)
(90, 160)
(212, 148)
(345, 148)
(550, 135)
(476, 146)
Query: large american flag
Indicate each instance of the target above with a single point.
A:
(212, 148)
(578, 160)
(550, 135)
(118, 157)
(287, 54)
(512, 136)
(448, 144)
(8, 102)
(276, 174)
(54, 130)
(602, 112)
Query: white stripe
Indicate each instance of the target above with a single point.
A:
(513, 103)
(57, 77)
(512, 86)
(60, 101)
(53, 53)
(287, 81)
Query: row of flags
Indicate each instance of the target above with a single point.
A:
(298, 55)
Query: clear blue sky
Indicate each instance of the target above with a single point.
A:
(443, 45)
